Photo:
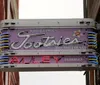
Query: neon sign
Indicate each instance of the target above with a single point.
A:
(46, 39)
(47, 59)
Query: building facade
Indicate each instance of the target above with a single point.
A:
(92, 10)
(9, 10)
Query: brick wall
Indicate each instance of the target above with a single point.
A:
(8, 78)
(93, 11)
(2, 9)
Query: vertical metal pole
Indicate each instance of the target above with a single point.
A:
(87, 78)
(2, 78)
(85, 8)
(14, 7)
(6, 78)
(8, 9)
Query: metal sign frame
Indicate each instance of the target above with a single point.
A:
(56, 24)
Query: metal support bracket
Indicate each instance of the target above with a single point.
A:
(48, 67)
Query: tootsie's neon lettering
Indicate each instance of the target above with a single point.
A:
(45, 41)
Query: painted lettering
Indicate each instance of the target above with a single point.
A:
(56, 59)
(46, 59)
(22, 61)
(14, 60)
